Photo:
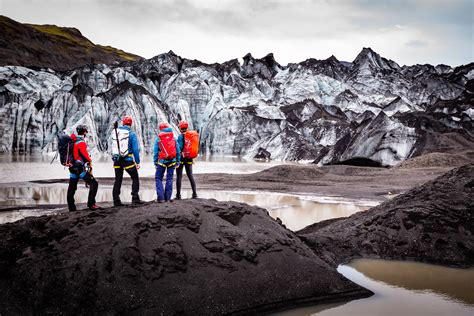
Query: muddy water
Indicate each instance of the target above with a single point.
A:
(39, 167)
(295, 212)
(402, 288)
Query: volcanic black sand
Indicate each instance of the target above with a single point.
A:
(431, 223)
(209, 257)
(192, 257)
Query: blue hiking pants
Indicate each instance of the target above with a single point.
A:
(160, 172)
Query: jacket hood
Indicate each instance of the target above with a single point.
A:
(73, 137)
(128, 128)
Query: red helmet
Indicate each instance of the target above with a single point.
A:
(127, 120)
(163, 126)
(183, 125)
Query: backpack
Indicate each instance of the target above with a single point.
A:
(191, 144)
(167, 146)
(65, 149)
(120, 143)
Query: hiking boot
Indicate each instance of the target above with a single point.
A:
(117, 204)
(160, 201)
(95, 207)
(195, 196)
(177, 197)
(137, 202)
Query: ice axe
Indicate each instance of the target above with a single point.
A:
(116, 136)
(88, 168)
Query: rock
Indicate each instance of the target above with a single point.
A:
(190, 257)
(360, 162)
(431, 223)
(262, 154)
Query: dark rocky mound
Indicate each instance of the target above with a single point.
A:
(50, 46)
(291, 172)
(434, 160)
(431, 223)
(191, 257)
(359, 162)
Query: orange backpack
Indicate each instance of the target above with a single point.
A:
(191, 145)
(167, 146)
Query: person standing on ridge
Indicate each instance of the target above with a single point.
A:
(188, 143)
(126, 156)
(166, 156)
(81, 169)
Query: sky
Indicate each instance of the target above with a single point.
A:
(408, 32)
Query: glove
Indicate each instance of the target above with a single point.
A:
(137, 165)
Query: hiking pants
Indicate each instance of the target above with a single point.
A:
(74, 178)
(179, 176)
(160, 172)
(131, 169)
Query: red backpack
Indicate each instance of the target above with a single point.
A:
(191, 144)
(167, 146)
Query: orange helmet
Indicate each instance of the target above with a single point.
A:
(183, 125)
(127, 120)
(163, 126)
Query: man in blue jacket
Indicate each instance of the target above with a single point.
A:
(162, 164)
(130, 163)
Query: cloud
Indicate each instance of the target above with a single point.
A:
(218, 30)
(416, 43)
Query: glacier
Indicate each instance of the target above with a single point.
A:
(322, 111)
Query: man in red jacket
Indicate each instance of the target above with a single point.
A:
(81, 169)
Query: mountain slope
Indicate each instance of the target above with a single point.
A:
(50, 46)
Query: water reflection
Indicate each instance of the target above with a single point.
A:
(455, 283)
(403, 288)
(39, 167)
(13, 216)
(294, 211)
(103, 157)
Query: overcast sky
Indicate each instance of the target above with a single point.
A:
(408, 32)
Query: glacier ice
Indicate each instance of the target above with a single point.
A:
(318, 110)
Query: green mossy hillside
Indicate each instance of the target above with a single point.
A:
(51, 46)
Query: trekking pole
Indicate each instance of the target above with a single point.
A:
(54, 158)
(200, 135)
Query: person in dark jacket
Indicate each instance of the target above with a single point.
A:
(164, 165)
(81, 169)
(186, 163)
(130, 163)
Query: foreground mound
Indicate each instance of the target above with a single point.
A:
(431, 223)
(434, 160)
(198, 257)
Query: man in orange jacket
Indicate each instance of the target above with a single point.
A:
(79, 171)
